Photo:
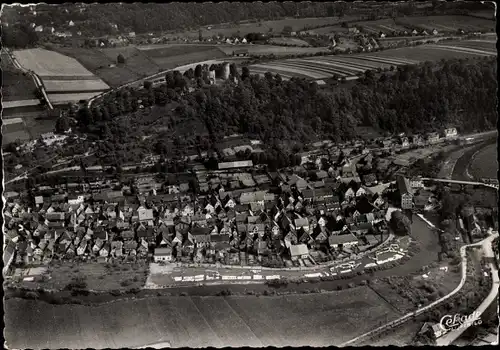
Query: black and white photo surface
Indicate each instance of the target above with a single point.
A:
(250, 174)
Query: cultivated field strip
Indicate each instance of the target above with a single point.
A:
(312, 319)
(72, 85)
(312, 67)
(328, 68)
(343, 68)
(276, 67)
(477, 51)
(391, 60)
(354, 62)
(463, 51)
(50, 63)
(65, 98)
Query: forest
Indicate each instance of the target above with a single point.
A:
(297, 111)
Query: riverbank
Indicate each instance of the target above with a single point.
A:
(462, 165)
(484, 163)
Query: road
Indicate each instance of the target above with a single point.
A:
(36, 79)
(460, 182)
(180, 274)
(450, 337)
(484, 243)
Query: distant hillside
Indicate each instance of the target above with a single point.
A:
(99, 19)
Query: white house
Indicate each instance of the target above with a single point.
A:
(450, 133)
(416, 182)
(71, 23)
(360, 192)
(39, 29)
(78, 200)
(163, 254)
(434, 32)
(244, 41)
(349, 193)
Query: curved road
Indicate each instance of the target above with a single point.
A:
(453, 335)
(450, 337)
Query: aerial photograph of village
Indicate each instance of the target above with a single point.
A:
(253, 174)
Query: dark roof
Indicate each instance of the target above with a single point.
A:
(200, 231)
(403, 185)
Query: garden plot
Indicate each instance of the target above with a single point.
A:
(50, 63)
(52, 86)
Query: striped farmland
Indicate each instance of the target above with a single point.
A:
(349, 66)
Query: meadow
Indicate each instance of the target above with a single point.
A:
(16, 85)
(305, 319)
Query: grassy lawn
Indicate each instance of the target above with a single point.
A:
(98, 276)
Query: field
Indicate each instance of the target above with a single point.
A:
(310, 319)
(383, 25)
(351, 65)
(260, 27)
(449, 24)
(50, 63)
(69, 97)
(15, 84)
(485, 164)
(34, 126)
(101, 65)
(136, 60)
(61, 86)
(257, 50)
(289, 41)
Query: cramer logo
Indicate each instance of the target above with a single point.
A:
(457, 321)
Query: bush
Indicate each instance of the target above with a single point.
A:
(115, 292)
(125, 283)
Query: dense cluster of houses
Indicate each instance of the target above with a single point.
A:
(262, 214)
(175, 225)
